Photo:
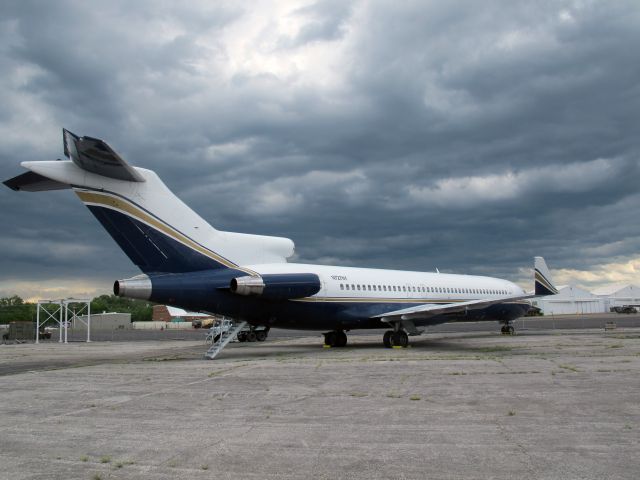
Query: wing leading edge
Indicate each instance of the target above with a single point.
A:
(429, 310)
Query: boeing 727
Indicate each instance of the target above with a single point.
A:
(188, 263)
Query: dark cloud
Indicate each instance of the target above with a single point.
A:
(454, 135)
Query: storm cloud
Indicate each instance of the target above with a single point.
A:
(459, 135)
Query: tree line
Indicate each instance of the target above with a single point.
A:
(15, 309)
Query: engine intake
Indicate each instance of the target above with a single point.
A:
(277, 286)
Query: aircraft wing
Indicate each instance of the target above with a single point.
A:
(427, 310)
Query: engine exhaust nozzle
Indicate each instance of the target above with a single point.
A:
(136, 287)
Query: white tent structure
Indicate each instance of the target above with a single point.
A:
(618, 295)
(571, 300)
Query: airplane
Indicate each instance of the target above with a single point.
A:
(187, 263)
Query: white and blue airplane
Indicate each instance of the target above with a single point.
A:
(188, 263)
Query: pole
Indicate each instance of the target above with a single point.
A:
(38, 324)
(88, 321)
(66, 320)
(60, 323)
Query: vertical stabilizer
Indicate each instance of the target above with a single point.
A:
(155, 229)
(542, 278)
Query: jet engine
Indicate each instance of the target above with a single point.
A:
(277, 286)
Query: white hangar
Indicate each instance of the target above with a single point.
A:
(571, 300)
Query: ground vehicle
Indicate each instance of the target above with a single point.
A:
(624, 309)
(247, 334)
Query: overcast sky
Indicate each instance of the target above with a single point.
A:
(467, 136)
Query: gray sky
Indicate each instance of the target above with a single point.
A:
(468, 136)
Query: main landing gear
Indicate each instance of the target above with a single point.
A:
(507, 329)
(336, 338)
(398, 338)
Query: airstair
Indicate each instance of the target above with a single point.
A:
(219, 336)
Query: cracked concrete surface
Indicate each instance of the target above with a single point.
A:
(469, 405)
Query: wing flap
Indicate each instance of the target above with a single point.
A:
(427, 310)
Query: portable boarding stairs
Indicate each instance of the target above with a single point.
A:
(219, 339)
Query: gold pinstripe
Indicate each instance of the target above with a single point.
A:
(376, 300)
(544, 282)
(114, 203)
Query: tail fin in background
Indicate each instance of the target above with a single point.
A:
(157, 231)
(542, 278)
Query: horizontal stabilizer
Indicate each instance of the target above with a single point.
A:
(34, 182)
(94, 155)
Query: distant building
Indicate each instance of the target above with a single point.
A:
(571, 300)
(106, 321)
(618, 295)
(166, 313)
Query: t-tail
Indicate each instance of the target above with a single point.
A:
(157, 231)
(542, 278)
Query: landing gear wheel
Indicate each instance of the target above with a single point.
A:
(242, 337)
(251, 336)
(503, 330)
(330, 339)
(399, 339)
(510, 330)
(261, 336)
(386, 339)
(341, 339)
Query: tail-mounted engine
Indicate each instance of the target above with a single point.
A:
(277, 286)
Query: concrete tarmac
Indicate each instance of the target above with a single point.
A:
(543, 404)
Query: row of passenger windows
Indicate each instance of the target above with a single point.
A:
(421, 289)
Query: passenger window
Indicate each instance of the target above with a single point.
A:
(341, 286)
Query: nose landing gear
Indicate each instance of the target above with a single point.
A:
(507, 329)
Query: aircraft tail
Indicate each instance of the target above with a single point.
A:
(542, 278)
(157, 231)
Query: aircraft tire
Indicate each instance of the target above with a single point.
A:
(330, 339)
(511, 330)
(261, 336)
(341, 339)
(251, 337)
(386, 339)
(399, 339)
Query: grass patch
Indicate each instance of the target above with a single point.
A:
(569, 367)
(204, 467)
(394, 395)
(105, 459)
(456, 373)
(496, 348)
(96, 476)
(617, 345)
(511, 413)
(358, 394)
(84, 458)
(172, 463)
(415, 397)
